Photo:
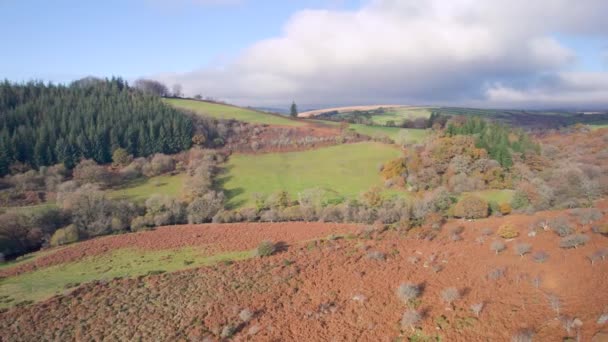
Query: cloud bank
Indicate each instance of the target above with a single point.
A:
(458, 52)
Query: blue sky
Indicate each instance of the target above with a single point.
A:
(65, 39)
(500, 53)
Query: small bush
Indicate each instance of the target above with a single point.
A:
(450, 295)
(523, 336)
(407, 292)
(507, 231)
(498, 246)
(540, 256)
(505, 208)
(266, 248)
(471, 207)
(496, 273)
(573, 241)
(410, 318)
(561, 226)
(64, 236)
(487, 231)
(246, 315)
(228, 331)
(555, 303)
(375, 255)
(522, 248)
(476, 308)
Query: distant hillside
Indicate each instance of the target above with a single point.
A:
(316, 112)
(47, 124)
(227, 112)
(390, 115)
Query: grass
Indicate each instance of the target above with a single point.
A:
(220, 111)
(346, 170)
(399, 114)
(139, 190)
(44, 283)
(498, 196)
(30, 208)
(416, 135)
(594, 127)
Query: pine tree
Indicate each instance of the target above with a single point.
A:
(293, 111)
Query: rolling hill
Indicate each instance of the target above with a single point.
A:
(228, 112)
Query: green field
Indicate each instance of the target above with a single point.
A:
(498, 196)
(140, 189)
(346, 170)
(594, 127)
(399, 114)
(414, 135)
(46, 282)
(220, 111)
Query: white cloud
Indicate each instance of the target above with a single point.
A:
(409, 51)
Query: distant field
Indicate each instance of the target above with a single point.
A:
(498, 196)
(140, 189)
(416, 135)
(402, 113)
(220, 111)
(598, 126)
(346, 170)
(46, 282)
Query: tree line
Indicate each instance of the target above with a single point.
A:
(46, 124)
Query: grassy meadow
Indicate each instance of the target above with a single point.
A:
(43, 283)
(345, 170)
(140, 189)
(413, 135)
(226, 112)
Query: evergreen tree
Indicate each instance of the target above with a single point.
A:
(293, 111)
(44, 124)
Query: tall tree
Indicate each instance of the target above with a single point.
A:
(293, 111)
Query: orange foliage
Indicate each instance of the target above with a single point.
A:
(394, 168)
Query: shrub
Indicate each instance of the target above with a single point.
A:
(555, 303)
(471, 207)
(376, 255)
(87, 171)
(204, 208)
(476, 308)
(520, 200)
(246, 315)
(573, 240)
(505, 208)
(587, 216)
(523, 336)
(603, 229)
(121, 157)
(522, 248)
(450, 295)
(487, 231)
(228, 331)
(266, 248)
(159, 164)
(496, 273)
(410, 318)
(540, 256)
(141, 222)
(64, 236)
(407, 292)
(164, 210)
(507, 231)
(498, 246)
(394, 168)
(561, 226)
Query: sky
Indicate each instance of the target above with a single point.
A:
(478, 53)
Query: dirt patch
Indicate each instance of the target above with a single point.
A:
(215, 238)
